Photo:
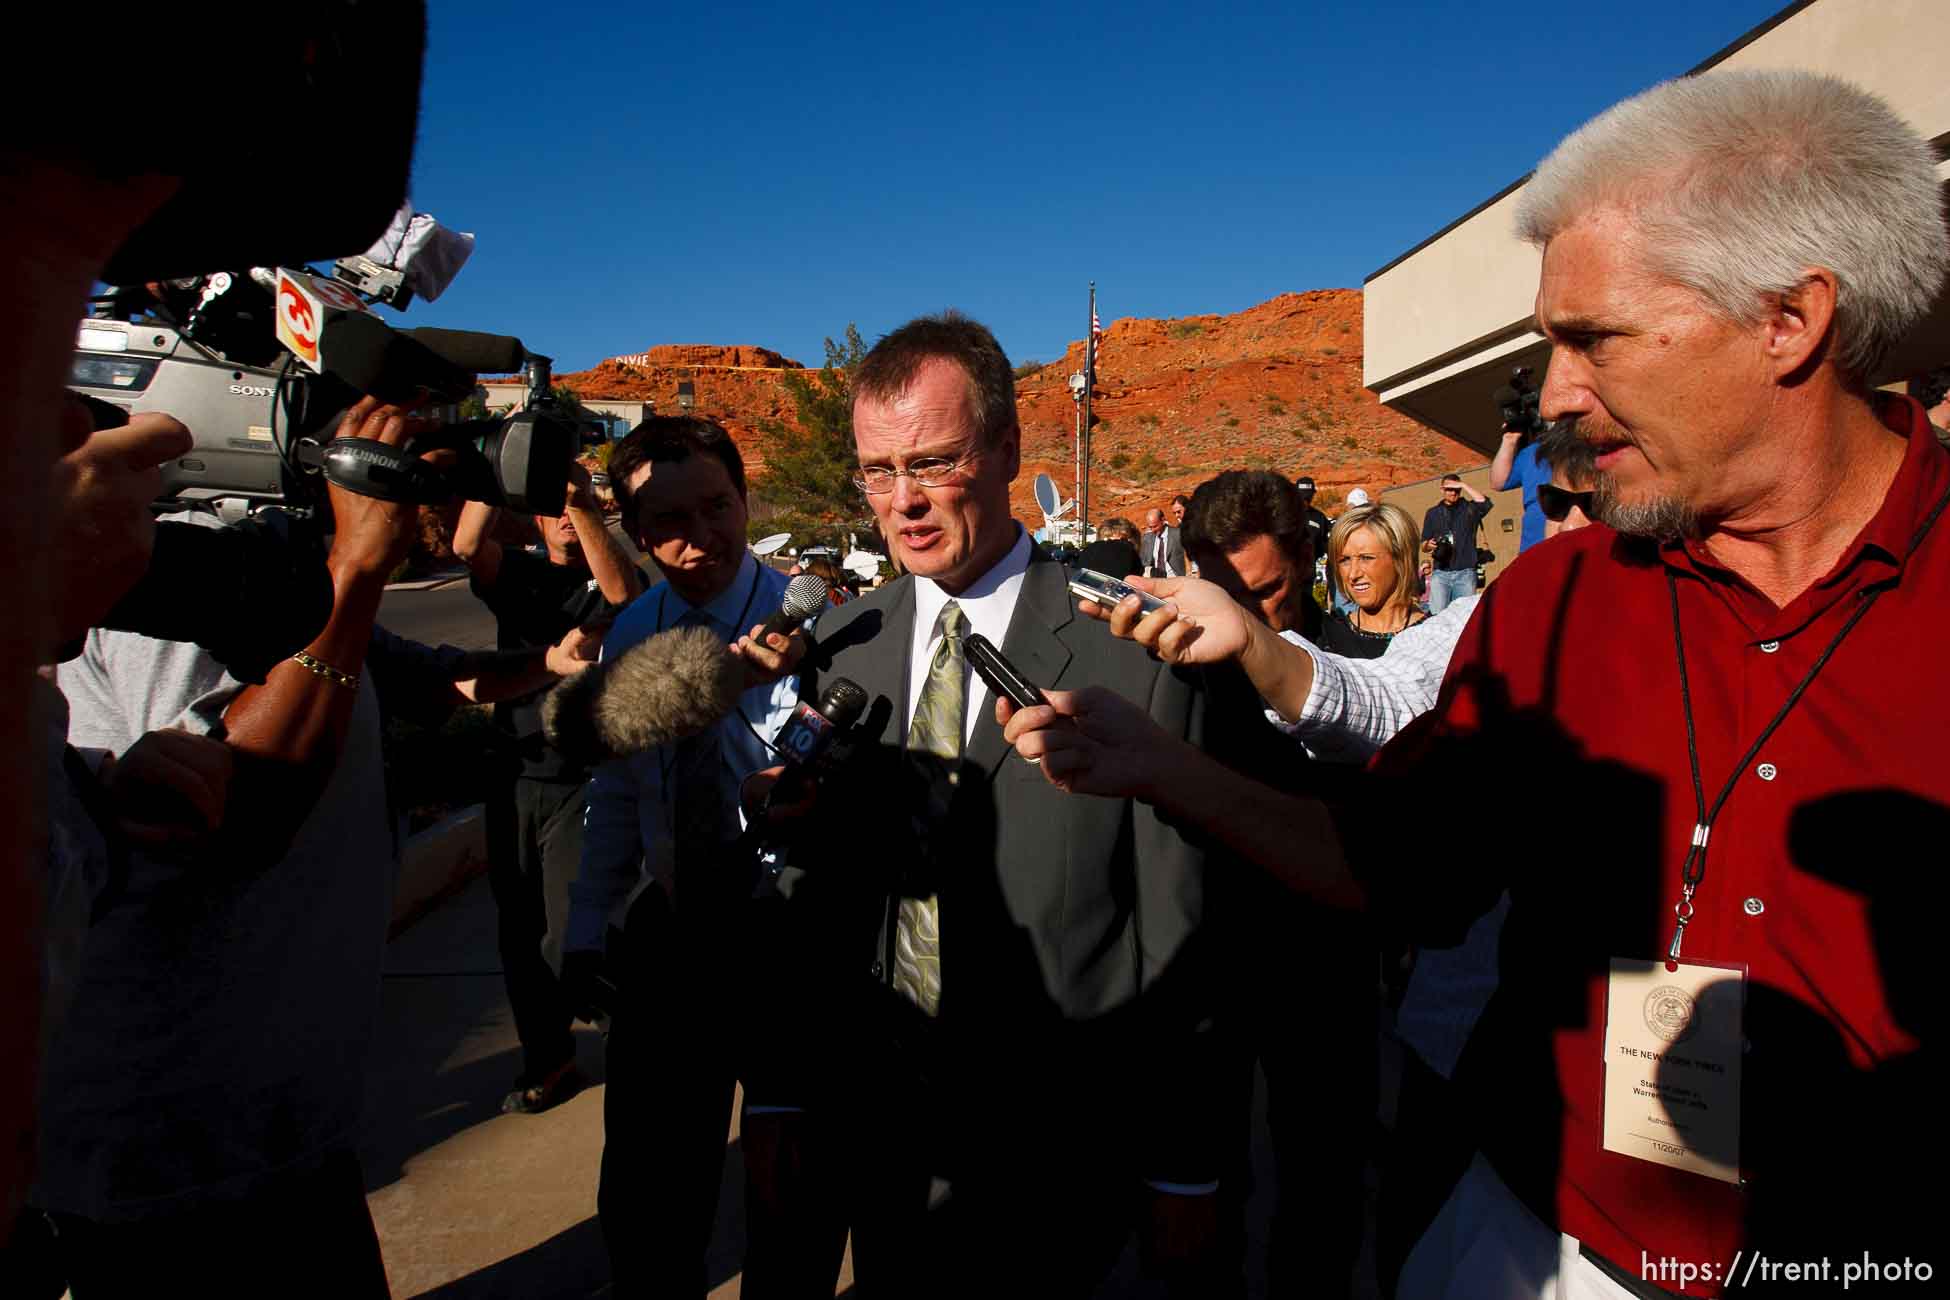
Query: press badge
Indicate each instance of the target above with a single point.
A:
(1672, 1065)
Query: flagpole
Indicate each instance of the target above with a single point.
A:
(1083, 441)
(1076, 497)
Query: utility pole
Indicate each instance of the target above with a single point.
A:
(1083, 439)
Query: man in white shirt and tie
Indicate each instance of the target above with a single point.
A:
(1011, 983)
(1164, 548)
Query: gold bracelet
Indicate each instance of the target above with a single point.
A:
(320, 668)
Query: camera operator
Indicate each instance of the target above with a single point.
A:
(1517, 463)
(535, 818)
(101, 488)
(51, 251)
(203, 1091)
(89, 205)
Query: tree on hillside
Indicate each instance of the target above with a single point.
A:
(809, 469)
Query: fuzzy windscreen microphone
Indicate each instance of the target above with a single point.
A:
(670, 687)
(805, 597)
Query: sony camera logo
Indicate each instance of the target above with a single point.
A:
(250, 390)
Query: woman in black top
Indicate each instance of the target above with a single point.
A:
(1371, 556)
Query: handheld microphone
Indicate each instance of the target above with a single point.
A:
(805, 596)
(811, 731)
(669, 687)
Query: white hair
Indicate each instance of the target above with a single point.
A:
(1738, 181)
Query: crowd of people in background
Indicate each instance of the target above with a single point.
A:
(998, 974)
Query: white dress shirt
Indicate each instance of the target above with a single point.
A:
(989, 604)
(1160, 557)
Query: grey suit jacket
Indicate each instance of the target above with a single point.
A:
(1077, 969)
(1053, 909)
(1174, 553)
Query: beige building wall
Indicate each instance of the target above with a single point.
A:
(506, 398)
(1501, 529)
(1445, 322)
(631, 413)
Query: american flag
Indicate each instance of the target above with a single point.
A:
(1096, 329)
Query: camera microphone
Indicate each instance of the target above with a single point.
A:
(379, 360)
(471, 350)
(666, 688)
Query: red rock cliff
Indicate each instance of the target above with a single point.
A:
(1277, 386)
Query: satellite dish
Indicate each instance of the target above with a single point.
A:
(765, 546)
(1046, 496)
(862, 565)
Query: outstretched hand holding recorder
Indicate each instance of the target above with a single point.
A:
(1004, 679)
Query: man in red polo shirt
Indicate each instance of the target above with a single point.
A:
(1708, 1059)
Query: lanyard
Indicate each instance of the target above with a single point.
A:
(1694, 869)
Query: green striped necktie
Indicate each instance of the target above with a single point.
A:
(935, 740)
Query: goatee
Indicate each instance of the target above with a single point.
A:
(1663, 519)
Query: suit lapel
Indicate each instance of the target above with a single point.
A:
(1032, 645)
(891, 661)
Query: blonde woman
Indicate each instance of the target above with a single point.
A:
(1371, 560)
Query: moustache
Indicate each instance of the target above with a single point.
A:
(1601, 434)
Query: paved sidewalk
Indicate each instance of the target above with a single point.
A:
(475, 1205)
(432, 581)
(472, 1204)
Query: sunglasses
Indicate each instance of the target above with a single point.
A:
(1556, 503)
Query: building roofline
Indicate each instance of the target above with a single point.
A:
(1717, 58)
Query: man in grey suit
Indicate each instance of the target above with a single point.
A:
(1002, 987)
(1164, 546)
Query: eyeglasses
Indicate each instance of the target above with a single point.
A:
(929, 471)
(1556, 503)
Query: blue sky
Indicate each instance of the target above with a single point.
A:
(765, 174)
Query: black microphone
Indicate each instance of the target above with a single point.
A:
(380, 361)
(811, 731)
(805, 596)
(483, 354)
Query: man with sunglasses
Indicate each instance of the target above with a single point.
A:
(1564, 497)
(1449, 540)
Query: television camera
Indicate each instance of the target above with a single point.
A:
(1517, 403)
(260, 364)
